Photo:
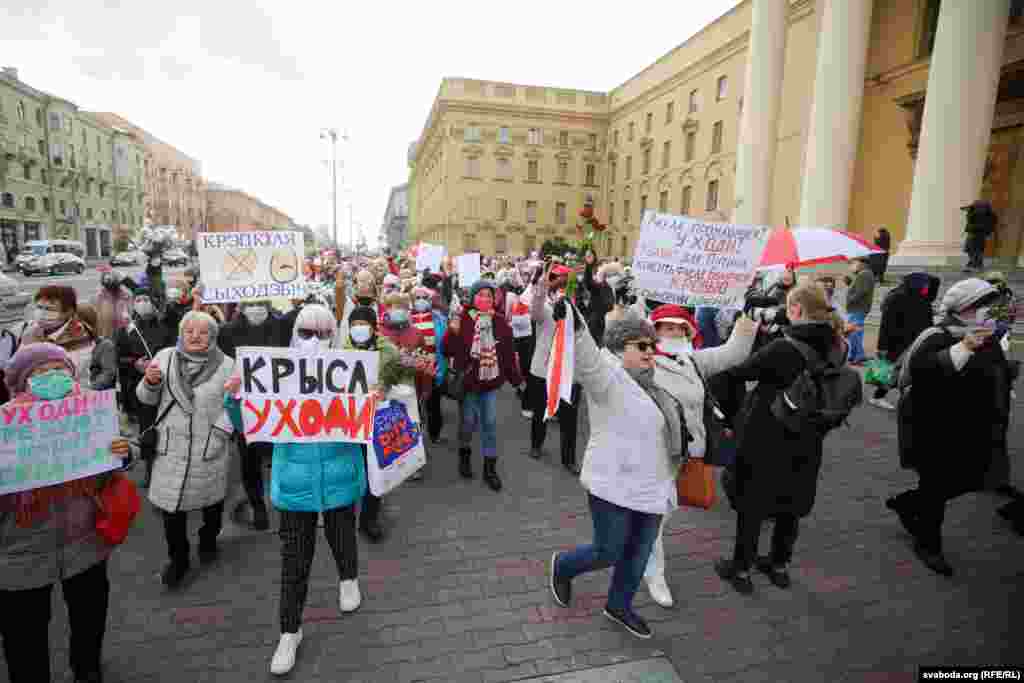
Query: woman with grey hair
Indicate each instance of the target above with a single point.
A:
(637, 442)
(190, 472)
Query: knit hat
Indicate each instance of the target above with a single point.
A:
(364, 314)
(629, 328)
(28, 358)
(967, 294)
(479, 286)
(432, 281)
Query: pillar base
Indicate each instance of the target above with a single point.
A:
(927, 253)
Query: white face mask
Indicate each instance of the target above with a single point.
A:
(173, 294)
(981, 319)
(144, 309)
(676, 345)
(313, 343)
(360, 334)
(422, 305)
(613, 280)
(256, 315)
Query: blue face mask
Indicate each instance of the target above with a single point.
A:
(51, 385)
(398, 316)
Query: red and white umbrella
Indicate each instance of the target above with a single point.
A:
(813, 246)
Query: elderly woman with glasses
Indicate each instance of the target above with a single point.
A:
(185, 384)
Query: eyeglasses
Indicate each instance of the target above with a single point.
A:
(309, 334)
(643, 347)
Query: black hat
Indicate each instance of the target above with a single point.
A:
(364, 314)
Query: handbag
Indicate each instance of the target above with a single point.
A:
(719, 437)
(695, 484)
(119, 505)
(455, 384)
(880, 373)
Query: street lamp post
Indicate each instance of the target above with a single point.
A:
(332, 133)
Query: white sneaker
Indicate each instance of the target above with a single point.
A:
(528, 414)
(284, 655)
(881, 403)
(349, 598)
(659, 591)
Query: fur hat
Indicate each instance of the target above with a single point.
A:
(627, 329)
(967, 294)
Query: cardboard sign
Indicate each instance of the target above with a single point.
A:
(50, 442)
(429, 256)
(398, 449)
(243, 266)
(468, 268)
(300, 396)
(685, 261)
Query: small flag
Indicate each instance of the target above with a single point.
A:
(560, 365)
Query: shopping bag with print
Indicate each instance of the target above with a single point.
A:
(398, 450)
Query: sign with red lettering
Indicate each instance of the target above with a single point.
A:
(685, 261)
(303, 396)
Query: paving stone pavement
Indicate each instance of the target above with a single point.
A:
(458, 591)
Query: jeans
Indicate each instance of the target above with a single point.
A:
(748, 533)
(176, 532)
(708, 328)
(856, 339)
(25, 621)
(480, 409)
(623, 539)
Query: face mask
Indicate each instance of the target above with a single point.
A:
(173, 294)
(398, 316)
(49, 319)
(981, 319)
(155, 263)
(676, 345)
(144, 309)
(483, 303)
(51, 385)
(422, 305)
(613, 280)
(312, 343)
(256, 315)
(360, 334)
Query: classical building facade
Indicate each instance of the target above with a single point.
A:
(64, 173)
(229, 209)
(839, 113)
(393, 231)
(175, 188)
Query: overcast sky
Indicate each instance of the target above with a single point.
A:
(246, 87)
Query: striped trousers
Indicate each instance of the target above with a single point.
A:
(298, 543)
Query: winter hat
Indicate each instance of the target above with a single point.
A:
(364, 314)
(918, 282)
(672, 313)
(28, 358)
(479, 286)
(967, 294)
(395, 299)
(627, 329)
(432, 281)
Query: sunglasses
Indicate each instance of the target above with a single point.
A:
(643, 347)
(309, 334)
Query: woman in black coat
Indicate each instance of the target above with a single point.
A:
(906, 313)
(776, 472)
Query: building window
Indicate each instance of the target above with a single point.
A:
(629, 167)
(646, 162)
(666, 154)
(663, 201)
(54, 121)
(503, 135)
(625, 245)
(57, 152)
(615, 138)
(535, 136)
(716, 138)
(531, 212)
(500, 244)
(502, 209)
(560, 213)
(592, 141)
(611, 212)
(471, 134)
(625, 210)
(563, 138)
(88, 214)
(613, 167)
(712, 203)
(533, 170)
(563, 171)
(44, 176)
(102, 190)
(631, 132)
(648, 123)
(591, 175)
(7, 200)
(41, 146)
(670, 111)
(504, 168)
(62, 207)
(691, 145)
(21, 110)
(472, 167)
(693, 102)
(46, 204)
(40, 120)
(26, 172)
(723, 87)
(30, 203)
(472, 207)
(684, 205)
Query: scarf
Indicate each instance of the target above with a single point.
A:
(670, 409)
(483, 349)
(196, 368)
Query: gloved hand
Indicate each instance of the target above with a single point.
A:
(558, 313)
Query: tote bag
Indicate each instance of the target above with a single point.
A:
(397, 451)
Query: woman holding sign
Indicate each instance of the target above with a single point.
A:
(48, 535)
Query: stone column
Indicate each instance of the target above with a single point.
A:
(762, 90)
(959, 104)
(834, 125)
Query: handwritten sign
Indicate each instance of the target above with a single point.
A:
(299, 396)
(468, 268)
(243, 266)
(429, 257)
(685, 261)
(50, 442)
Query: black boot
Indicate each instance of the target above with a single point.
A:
(491, 474)
(369, 519)
(149, 473)
(465, 466)
(174, 573)
(260, 518)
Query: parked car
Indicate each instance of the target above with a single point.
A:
(125, 258)
(175, 257)
(52, 264)
(13, 299)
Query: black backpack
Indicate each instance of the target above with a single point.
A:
(820, 398)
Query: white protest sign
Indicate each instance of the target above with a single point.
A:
(50, 442)
(468, 268)
(429, 257)
(303, 396)
(685, 261)
(242, 266)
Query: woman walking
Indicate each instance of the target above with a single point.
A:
(185, 384)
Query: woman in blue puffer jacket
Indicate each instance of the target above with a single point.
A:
(307, 480)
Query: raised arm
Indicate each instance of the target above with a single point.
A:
(710, 362)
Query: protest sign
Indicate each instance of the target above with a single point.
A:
(50, 442)
(243, 266)
(685, 261)
(398, 450)
(468, 267)
(429, 257)
(302, 396)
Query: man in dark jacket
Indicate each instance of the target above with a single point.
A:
(981, 222)
(859, 299)
(906, 313)
(256, 326)
(954, 417)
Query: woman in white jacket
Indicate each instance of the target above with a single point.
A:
(637, 441)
